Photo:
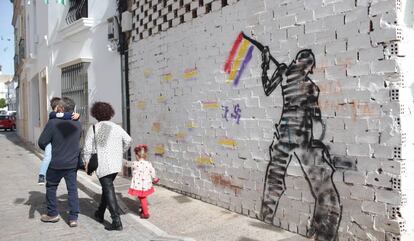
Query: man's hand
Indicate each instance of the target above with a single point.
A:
(75, 116)
(86, 166)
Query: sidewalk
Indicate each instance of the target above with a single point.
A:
(173, 214)
(22, 201)
(180, 215)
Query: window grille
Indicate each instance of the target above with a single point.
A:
(77, 9)
(75, 86)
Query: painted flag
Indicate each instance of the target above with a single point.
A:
(239, 57)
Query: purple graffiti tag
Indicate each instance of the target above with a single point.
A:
(244, 64)
(236, 113)
(226, 111)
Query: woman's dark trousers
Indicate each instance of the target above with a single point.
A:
(108, 200)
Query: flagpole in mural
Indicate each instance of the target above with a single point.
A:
(294, 138)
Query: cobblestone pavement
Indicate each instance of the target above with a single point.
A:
(22, 201)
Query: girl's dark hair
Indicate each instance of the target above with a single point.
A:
(54, 102)
(102, 111)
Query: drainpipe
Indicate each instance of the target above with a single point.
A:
(123, 51)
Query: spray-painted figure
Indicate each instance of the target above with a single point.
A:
(294, 139)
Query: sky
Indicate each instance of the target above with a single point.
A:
(6, 37)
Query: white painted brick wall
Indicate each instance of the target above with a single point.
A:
(179, 93)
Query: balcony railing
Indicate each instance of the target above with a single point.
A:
(77, 9)
(22, 49)
(20, 55)
(16, 63)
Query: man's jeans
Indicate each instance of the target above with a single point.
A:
(46, 160)
(53, 178)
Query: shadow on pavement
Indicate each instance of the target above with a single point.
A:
(265, 226)
(15, 139)
(37, 203)
(133, 205)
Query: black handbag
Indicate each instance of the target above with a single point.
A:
(93, 160)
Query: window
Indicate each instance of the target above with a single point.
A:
(77, 9)
(75, 86)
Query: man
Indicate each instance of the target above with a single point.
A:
(64, 135)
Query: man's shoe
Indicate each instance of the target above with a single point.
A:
(48, 219)
(73, 223)
(41, 180)
(99, 217)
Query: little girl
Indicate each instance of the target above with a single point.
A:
(143, 176)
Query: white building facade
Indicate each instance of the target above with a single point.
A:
(6, 89)
(64, 53)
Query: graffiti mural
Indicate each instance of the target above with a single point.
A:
(294, 139)
(235, 114)
(236, 64)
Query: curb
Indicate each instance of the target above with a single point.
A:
(93, 190)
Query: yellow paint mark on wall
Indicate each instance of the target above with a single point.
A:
(167, 77)
(180, 135)
(191, 125)
(162, 99)
(147, 73)
(210, 104)
(141, 105)
(159, 149)
(227, 142)
(204, 160)
(190, 74)
(156, 127)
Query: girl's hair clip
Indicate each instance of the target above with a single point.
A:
(141, 147)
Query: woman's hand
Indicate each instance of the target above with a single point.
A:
(86, 166)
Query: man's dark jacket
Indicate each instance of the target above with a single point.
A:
(64, 135)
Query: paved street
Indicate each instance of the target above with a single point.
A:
(22, 201)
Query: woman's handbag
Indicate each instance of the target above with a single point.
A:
(93, 161)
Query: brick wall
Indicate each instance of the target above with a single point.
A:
(314, 146)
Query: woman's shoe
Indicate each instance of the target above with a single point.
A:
(99, 216)
(116, 225)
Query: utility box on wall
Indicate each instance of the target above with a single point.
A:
(113, 32)
(289, 112)
(126, 23)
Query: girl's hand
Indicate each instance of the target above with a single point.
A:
(75, 116)
(155, 180)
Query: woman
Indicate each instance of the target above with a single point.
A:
(111, 142)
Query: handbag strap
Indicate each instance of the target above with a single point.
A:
(94, 138)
